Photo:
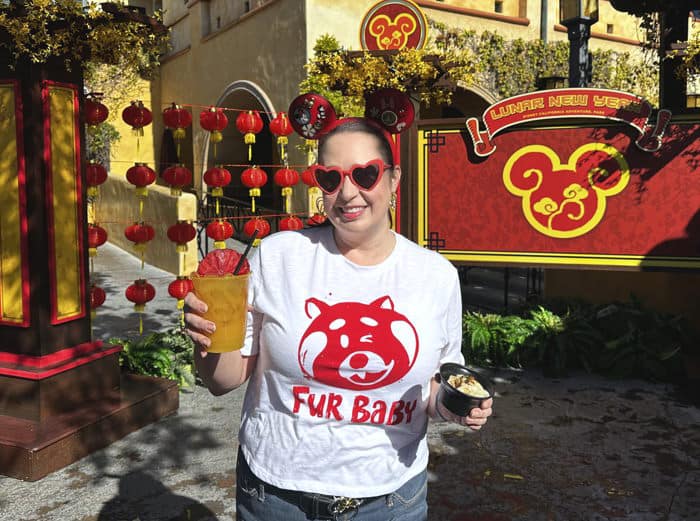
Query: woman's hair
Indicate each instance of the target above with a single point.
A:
(360, 125)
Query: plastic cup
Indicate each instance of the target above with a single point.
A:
(226, 297)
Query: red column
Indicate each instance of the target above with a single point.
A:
(55, 381)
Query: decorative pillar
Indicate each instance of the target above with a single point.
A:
(61, 393)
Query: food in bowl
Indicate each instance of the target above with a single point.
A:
(468, 385)
(461, 401)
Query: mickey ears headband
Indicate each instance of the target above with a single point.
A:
(312, 115)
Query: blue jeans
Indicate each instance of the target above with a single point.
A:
(255, 502)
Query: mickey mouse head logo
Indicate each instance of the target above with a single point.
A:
(311, 115)
(357, 346)
(565, 200)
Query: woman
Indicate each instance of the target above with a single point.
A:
(349, 325)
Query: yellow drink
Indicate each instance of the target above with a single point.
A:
(226, 297)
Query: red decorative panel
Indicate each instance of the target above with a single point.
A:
(576, 195)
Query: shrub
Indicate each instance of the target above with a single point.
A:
(621, 340)
(165, 355)
(493, 339)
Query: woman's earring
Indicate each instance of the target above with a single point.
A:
(392, 202)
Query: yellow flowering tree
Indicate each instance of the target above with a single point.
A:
(113, 45)
(111, 33)
(457, 57)
(344, 77)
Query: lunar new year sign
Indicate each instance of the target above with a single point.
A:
(569, 177)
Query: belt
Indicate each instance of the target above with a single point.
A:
(319, 506)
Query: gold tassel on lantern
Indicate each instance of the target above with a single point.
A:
(214, 138)
(253, 193)
(249, 139)
(217, 193)
(287, 194)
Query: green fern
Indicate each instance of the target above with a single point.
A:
(164, 355)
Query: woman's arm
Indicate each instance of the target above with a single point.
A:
(434, 388)
(452, 353)
(220, 372)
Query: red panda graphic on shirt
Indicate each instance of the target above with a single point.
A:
(357, 346)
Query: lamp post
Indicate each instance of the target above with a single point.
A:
(578, 16)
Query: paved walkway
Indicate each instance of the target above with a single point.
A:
(577, 449)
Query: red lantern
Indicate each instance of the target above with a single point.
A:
(291, 222)
(97, 236)
(177, 176)
(214, 121)
(177, 119)
(181, 233)
(286, 178)
(316, 219)
(259, 224)
(217, 177)
(95, 111)
(249, 123)
(253, 178)
(140, 234)
(281, 127)
(137, 116)
(95, 175)
(140, 292)
(307, 177)
(179, 288)
(141, 175)
(219, 230)
(97, 298)
(314, 194)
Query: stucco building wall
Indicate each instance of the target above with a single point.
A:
(264, 46)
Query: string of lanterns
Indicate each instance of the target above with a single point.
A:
(177, 176)
(96, 113)
(140, 292)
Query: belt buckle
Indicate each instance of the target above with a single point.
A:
(341, 505)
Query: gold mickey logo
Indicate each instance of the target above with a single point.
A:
(565, 200)
(392, 34)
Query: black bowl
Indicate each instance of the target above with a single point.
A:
(456, 401)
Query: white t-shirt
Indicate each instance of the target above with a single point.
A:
(337, 402)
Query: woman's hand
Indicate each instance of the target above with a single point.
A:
(477, 417)
(220, 372)
(197, 327)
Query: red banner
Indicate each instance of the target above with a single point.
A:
(569, 103)
(562, 195)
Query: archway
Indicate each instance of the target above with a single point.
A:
(233, 152)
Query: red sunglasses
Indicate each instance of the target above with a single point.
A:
(365, 177)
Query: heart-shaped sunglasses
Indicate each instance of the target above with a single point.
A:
(365, 177)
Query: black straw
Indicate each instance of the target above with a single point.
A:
(245, 253)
